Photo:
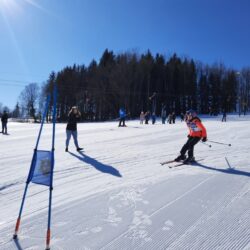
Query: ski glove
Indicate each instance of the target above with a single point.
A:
(204, 139)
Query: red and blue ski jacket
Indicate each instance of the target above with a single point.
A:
(196, 128)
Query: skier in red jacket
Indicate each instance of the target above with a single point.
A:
(196, 132)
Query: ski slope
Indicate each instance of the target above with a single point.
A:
(116, 195)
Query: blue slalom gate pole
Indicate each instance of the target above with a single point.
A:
(43, 119)
(31, 170)
(52, 168)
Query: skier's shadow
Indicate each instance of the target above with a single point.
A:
(18, 246)
(97, 165)
(225, 171)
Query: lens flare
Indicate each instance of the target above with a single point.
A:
(12, 5)
(8, 4)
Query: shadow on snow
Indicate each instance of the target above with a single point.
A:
(18, 246)
(97, 165)
(225, 171)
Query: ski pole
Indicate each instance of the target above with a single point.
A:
(209, 145)
(221, 143)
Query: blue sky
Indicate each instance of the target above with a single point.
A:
(38, 36)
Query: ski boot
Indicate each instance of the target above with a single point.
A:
(180, 158)
(189, 160)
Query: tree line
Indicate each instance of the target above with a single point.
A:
(129, 79)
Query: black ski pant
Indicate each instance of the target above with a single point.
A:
(189, 146)
(122, 122)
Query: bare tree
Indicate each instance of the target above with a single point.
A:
(29, 99)
(16, 111)
(4, 108)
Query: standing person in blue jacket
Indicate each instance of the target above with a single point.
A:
(122, 115)
(71, 129)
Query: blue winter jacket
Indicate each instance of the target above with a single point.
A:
(122, 113)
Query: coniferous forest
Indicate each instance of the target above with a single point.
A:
(128, 80)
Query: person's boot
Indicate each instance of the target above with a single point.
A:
(190, 159)
(180, 158)
(79, 149)
(66, 150)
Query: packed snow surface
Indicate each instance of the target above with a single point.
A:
(116, 195)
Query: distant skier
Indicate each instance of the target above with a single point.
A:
(147, 117)
(224, 117)
(173, 117)
(4, 121)
(122, 115)
(71, 129)
(163, 115)
(153, 118)
(170, 118)
(142, 117)
(196, 132)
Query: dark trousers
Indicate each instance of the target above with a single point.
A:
(189, 146)
(122, 122)
(4, 127)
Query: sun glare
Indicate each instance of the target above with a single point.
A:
(3, 2)
(12, 5)
(7, 2)
(8, 6)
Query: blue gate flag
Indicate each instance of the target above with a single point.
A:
(41, 169)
